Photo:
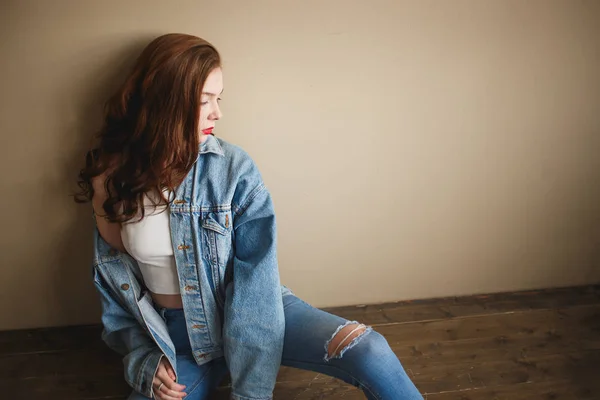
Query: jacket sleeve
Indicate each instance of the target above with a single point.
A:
(123, 334)
(254, 321)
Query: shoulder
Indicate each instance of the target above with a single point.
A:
(233, 151)
(238, 158)
(244, 172)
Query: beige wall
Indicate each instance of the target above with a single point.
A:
(413, 148)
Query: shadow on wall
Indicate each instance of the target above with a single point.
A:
(100, 81)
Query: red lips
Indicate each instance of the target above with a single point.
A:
(208, 131)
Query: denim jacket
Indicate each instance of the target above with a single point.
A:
(224, 240)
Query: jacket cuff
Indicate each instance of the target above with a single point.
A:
(147, 373)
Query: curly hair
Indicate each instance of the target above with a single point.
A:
(149, 138)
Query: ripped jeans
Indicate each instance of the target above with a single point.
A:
(366, 361)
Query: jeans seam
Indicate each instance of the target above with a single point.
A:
(376, 395)
(198, 381)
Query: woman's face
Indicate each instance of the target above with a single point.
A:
(210, 112)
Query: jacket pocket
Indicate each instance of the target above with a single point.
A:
(217, 245)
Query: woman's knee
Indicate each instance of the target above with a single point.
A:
(346, 337)
(374, 345)
(373, 349)
(358, 340)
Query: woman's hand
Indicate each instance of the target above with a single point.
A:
(165, 387)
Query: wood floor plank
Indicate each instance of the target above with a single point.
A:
(545, 322)
(67, 387)
(552, 390)
(451, 307)
(50, 339)
(461, 376)
(83, 363)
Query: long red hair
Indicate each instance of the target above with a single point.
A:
(149, 139)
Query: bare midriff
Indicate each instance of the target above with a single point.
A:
(167, 300)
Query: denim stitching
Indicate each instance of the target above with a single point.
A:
(240, 210)
(197, 383)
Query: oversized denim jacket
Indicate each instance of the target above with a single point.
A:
(224, 240)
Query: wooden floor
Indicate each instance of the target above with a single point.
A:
(527, 345)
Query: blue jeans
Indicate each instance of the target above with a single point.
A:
(369, 363)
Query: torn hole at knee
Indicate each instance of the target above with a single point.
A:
(345, 338)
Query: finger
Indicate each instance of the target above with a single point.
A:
(166, 397)
(172, 385)
(170, 370)
(169, 383)
(167, 394)
(156, 382)
(155, 385)
(156, 394)
(161, 368)
(172, 394)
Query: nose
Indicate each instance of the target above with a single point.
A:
(216, 114)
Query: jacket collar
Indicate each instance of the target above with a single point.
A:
(211, 145)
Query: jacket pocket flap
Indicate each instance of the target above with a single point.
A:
(211, 223)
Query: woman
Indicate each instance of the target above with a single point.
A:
(185, 249)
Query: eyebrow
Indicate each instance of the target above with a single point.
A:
(213, 94)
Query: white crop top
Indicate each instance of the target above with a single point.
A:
(149, 242)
